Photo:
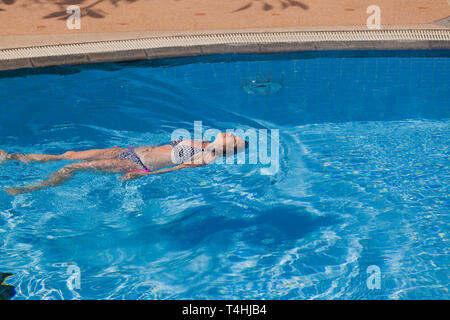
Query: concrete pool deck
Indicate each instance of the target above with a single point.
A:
(35, 34)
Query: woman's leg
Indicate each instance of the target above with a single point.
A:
(64, 174)
(94, 154)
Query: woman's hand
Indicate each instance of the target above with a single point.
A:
(133, 175)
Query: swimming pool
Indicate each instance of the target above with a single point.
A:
(363, 179)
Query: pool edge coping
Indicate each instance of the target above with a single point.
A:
(188, 44)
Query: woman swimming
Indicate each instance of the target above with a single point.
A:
(133, 162)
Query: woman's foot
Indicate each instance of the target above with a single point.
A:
(3, 155)
(17, 190)
(14, 156)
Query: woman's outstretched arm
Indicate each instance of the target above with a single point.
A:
(135, 175)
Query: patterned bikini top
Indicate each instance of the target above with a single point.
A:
(182, 153)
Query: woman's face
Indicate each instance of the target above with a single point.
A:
(231, 142)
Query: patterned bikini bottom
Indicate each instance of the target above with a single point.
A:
(131, 155)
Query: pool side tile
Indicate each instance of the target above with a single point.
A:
(59, 60)
(278, 47)
(12, 64)
(438, 44)
(344, 45)
(231, 48)
(125, 55)
(173, 52)
(401, 45)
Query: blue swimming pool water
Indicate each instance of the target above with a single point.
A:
(363, 179)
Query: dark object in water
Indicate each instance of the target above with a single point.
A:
(262, 87)
(6, 291)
